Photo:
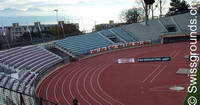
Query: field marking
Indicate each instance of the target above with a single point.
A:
(175, 55)
(59, 77)
(84, 86)
(72, 78)
(105, 93)
(77, 85)
(151, 73)
(39, 88)
(171, 54)
(49, 84)
(91, 83)
(60, 74)
(166, 88)
(158, 73)
(57, 72)
(66, 76)
(119, 55)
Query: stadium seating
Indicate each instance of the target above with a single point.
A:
(107, 33)
(157, 27)
(167, 21)
(118, 33)
(183, 20)
(16, 85)
(82, 44)
(32, 58)
(30, 61)
(143, 32)
(124, 35)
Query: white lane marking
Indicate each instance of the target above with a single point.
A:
(48, 86)
(151, 73)
(171, 54)
(93, 89)
(84, 86)
(66, 76)
(77, 82)
(58, 80)
(176, 54)
(44, 80)
(51, 80)
(106, 94)
(158, 73)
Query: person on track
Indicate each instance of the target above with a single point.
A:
(75, 101)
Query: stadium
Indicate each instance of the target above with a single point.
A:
(134, 64)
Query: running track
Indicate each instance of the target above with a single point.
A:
(101, 81)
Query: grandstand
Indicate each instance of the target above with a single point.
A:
(32, 58)
(28, 62)
(31, 63)
(82, 44)
(7, 84)
(163, 26)
(121, 33)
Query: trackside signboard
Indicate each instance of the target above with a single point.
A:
(154, 59)
(126, 60)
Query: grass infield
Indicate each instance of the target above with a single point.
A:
(197, 94)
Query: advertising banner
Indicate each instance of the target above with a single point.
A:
(153, 59)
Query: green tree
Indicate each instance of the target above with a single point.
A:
(132, 15)
(196, 3)
(65, 31)
(178, 7)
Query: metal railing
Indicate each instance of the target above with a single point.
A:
(12, 97)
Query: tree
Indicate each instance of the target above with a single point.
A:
(132, 15)
(160, 5)
(178, 7)
(67, 30)
(146, 5)
(196, 4)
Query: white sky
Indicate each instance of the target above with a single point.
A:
(85, 12)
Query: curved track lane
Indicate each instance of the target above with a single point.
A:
(101, 81)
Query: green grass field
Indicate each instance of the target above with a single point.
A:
(197, 94)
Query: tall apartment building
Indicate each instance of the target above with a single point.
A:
(16, 30)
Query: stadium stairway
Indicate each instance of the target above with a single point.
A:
(110, 34)
(123, 34)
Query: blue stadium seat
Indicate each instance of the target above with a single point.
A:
(124, 35)
(82, 44)
(28, 58)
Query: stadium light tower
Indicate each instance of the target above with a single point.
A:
(56, 10)
(148, 4)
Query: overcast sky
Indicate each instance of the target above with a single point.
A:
(85, 12)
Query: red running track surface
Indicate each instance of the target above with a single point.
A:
(101, 81)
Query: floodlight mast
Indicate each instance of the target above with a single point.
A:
(56, 10)
(148, 3)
